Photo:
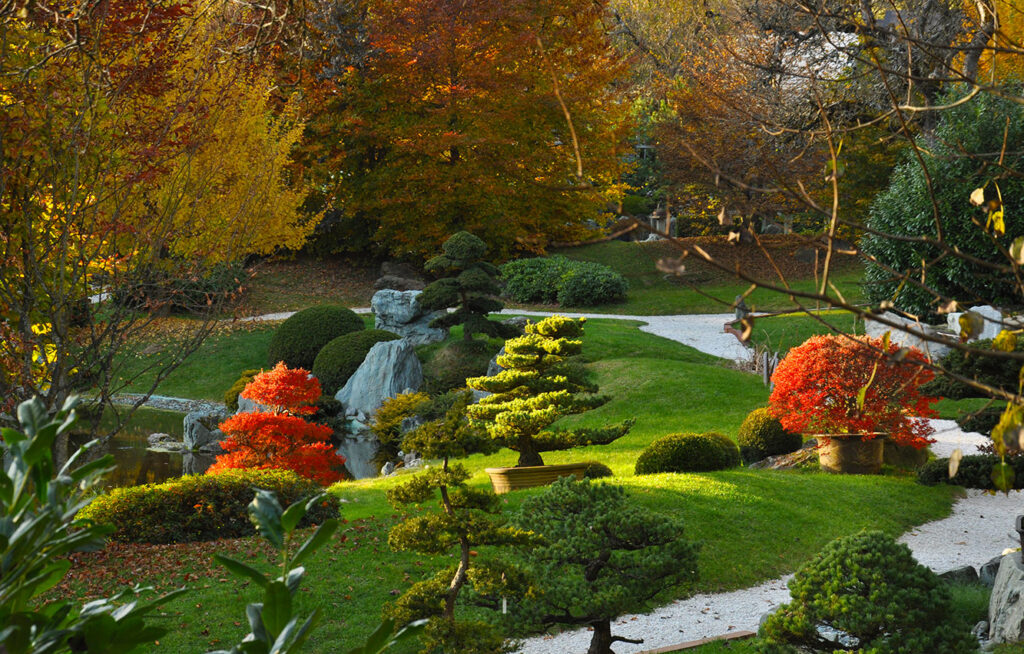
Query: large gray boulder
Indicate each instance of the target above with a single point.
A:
(200, 428)
(245, 405)
(1006, 608)
(390, 368)
(359, 446)
(910, 334)
(400, 312)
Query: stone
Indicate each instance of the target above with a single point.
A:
(962, 575)
(400, 312)
(245, 405)
(991, 316)
(1005, 608)
(164, 443)
(987, 573)
(519, 322)
(200, 428)
(399, 283)
(359, 446)
(909, 334)
(807, 255)
(980, 630)
(388, 469)
(389, 368)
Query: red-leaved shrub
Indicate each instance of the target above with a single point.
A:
(817, 386)
(280, 438)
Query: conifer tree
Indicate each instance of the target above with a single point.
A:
(472, 288)
(602, 556)
(538, 386)
(468, 519)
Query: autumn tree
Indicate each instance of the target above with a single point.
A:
(280, 437)
(497, 118)
(134, 146)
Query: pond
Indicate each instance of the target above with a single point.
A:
(135, 463)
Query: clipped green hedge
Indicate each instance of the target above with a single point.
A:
(983, 365)
(688, 453)
(975, 471)
(762, 435)
(200, 507)
(340, 358)
(231, 395)
(300, 338)
(547, 280)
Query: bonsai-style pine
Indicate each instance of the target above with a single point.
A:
(602, 556)
(538, 386)
(468, 519)
(871, 596)
(281, 437)
(471, 288)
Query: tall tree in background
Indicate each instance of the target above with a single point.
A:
(495, 117)
(133, 142)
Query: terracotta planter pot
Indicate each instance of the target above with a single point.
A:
(510, 479)
(850, 454)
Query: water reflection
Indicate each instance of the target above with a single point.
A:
(135, 463)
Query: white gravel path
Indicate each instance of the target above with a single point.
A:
(979, 528)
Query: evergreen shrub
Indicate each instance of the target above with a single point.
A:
(979, 365)
(299, 339)
(762, 435)
(974, 471)
(597, 470)
(340, 358)
(547, 280)
(688, 453)
(231, 395)
(868, 590)
(200, 507)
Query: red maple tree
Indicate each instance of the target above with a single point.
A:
(818, 383)
(280, 437)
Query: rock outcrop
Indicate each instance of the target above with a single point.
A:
(400, 312)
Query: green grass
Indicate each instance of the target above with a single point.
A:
(751, 525)
(653, 292)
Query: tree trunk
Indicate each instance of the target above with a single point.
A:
(601, 642)
(528, 454)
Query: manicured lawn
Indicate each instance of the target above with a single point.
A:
(752, 525)
(780, 333)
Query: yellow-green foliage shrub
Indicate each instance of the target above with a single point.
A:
(762, 435)
(200, 507)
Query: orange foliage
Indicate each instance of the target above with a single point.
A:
(280, 438)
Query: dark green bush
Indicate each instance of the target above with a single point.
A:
(975, 471)
(688, 453)
(532, 280)
(597, 470)
(557, 279)
(980, 128)
(870, 589)
(983, 365)
(450, 365)
(200, 507)
(980, 421)
(340, 358)
(762, 435)
(231, 395)
(300, 338)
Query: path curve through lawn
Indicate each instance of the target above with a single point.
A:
(979, 528)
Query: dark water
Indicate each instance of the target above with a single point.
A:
(137, 465)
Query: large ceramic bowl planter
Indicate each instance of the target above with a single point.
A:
(510, 479)
(851, 453)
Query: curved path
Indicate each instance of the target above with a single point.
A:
(979, 528)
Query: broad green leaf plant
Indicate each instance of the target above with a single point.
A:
(38, 529)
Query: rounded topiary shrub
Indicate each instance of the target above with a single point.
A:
(762, 435)
(566, 281)
(597, 470)
(688, 453)
(299, 339)
(200, 507)
(872, 595)
(340, 358)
